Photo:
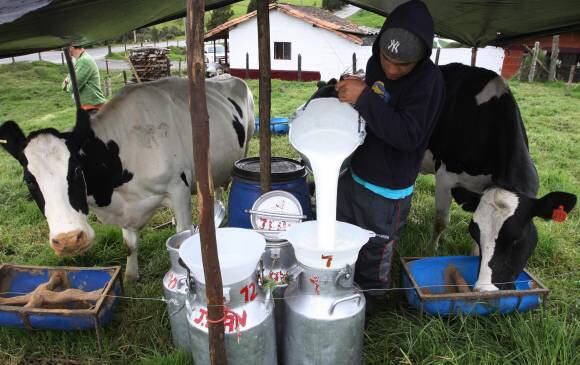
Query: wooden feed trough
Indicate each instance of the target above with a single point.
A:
(58, 298)
(437, 285)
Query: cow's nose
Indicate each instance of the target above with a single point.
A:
(70, 243)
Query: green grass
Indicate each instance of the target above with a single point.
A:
(140, 331)
(367, 18)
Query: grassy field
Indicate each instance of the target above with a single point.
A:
(140, 331)
(367, 18)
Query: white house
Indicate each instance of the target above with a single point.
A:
(325, 43)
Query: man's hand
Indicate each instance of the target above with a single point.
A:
(65, 83)
(350, 89)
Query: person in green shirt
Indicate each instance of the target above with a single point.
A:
(88, 80)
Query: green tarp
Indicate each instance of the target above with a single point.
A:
(28, 26)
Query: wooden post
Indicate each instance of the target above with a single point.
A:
(534, 60)
(109, 50)
(247, 65)
(353, 63)
(125, 43)
(265, 93)
(437, 55)
(72, 77)
(570, 79)
(473, 56)
(14, 60)
(107, 66)
(521, 70)
(39, 57)
(124, 77)
(299, 67)
(226, 49)
(179, 68)
(214, 52)
(200, 135)
(554, 58)
(61, 58)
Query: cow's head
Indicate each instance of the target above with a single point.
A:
(55, 179)
(502, 227)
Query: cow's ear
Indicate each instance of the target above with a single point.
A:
(13, 140)
(467, 199)
(555, 205)
(81, 131)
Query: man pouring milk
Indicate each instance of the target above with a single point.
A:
(400, 100)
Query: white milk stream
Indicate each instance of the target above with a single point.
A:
(326, 133)
(326, 149)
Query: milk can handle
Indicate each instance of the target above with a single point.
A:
(342, 300)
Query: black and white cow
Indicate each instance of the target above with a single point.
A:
(502, 227)
(134, 156)
(479, 150)
(479, 140)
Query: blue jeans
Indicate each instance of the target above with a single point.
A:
(360, 206)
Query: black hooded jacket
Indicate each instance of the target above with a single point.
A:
(398, 131)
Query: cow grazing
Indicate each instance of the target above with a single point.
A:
(479, 148)
(479, 140)
(134, 156)
(502, 226)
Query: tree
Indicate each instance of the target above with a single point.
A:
(332, 4)
(252, 5)
(219, 16)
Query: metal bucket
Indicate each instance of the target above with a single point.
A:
(324, 321)
(175, 291)
(250, 337)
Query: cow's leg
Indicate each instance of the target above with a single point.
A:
(131, 241)
(180, 200)
(442, 206)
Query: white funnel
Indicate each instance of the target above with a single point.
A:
(304, 239)
(326, 133)
(239, 251)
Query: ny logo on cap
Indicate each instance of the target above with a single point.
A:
(394, 46)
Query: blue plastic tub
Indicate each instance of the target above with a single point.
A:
(429, 273)
(18, 280)
(287, 175)
(278, 125)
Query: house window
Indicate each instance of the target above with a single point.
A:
(282, 51)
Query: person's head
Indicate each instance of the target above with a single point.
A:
(400, 50)
(75, 51)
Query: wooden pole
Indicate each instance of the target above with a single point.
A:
(299, 67)
(226, 49)
(554, 58)
(107, 66)
(72, 77)
(353, 63)
(124, 77)
(39, 56)
(265, 93)
(570, 79)
(179, 68)
(14, 61)
(437, 55)
(473, 56)
(61, 58)
(200, 135)
(534, 60)
(214, 52)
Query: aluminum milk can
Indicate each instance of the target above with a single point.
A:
(250, 336)
(324, 321)
(175, 291)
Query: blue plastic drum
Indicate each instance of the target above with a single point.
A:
(287, 174)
